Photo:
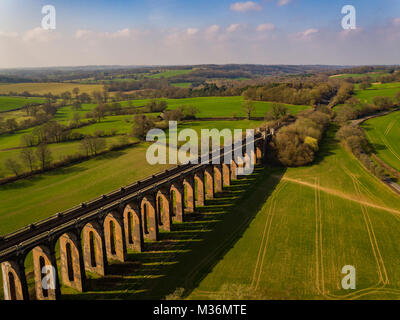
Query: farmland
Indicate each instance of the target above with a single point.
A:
(383, 133)
(297, 252)
(44, 88)
(169, 74)
(384, 90)
(373, 75)
(221, 107)
(11, 103)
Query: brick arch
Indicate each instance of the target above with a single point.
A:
(114, 234)
(217, 177)
(226, 174)
(14, 280)
(209, 181)
(133, 227)
(188, 184)
(72, 262)
(149, 218)
(94, 251)
(45, 268)
(176, 198)
(199, 188)
(163, 206)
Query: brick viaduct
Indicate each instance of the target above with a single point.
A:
(103, 229)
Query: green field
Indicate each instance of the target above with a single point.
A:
(292, 251)
(182, 84)
(169, 74)
(44, 88)
(220, 107)
(10, 103)
(384, 135)
(384, 90)
(373, 75)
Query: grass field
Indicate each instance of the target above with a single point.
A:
(384, 135)
(220, 107)
(182, 84)
(169, 74)
(384, 90)
(10, 103)
(297, 251)
(44, 88)
(373, 75)
(254, 236)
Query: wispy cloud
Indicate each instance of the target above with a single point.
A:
(265, 27)
(283, 2)
(246, 6)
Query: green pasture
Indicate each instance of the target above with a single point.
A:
(169, 74)
(10, 103)
(220, 107)
(315, 221)
(384, 135)
(383, 90)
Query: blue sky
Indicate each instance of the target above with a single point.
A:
(90, 26)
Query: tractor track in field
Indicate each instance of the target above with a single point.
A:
(383, 277)
(319, 260)
(390, 126)
(190, 278)
(390, 148)
(380, 287)
(265, 239)
(343, 195)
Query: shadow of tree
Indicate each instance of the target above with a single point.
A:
(183, 257)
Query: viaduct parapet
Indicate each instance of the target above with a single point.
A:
(104, 229)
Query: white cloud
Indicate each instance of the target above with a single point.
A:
(283, 2)
(83, 34)
(212, 29)
(235, 27)
(39, 35)
(192, 31)
(245, 6)
(396, 22)
(265, 27)
(9, 35)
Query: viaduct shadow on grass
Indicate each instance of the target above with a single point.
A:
(183, 257)
(328, 144)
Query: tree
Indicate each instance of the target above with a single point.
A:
(92, 145)
(27, 140)
(11, 124)
(384, 103)
(397, 97)
(77, 105)
(76, 118)
(76, 91)
(43, 154)
(13, 166)
(248, 108)
(66, 96)
(141, 125)
(28, 157)
(99, 112)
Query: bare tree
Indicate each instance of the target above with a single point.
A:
(13, 166)
(43, 154)
(248, 108)
(27, 156)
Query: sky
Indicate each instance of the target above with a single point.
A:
(182, 32)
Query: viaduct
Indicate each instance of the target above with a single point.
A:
(103, 229)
